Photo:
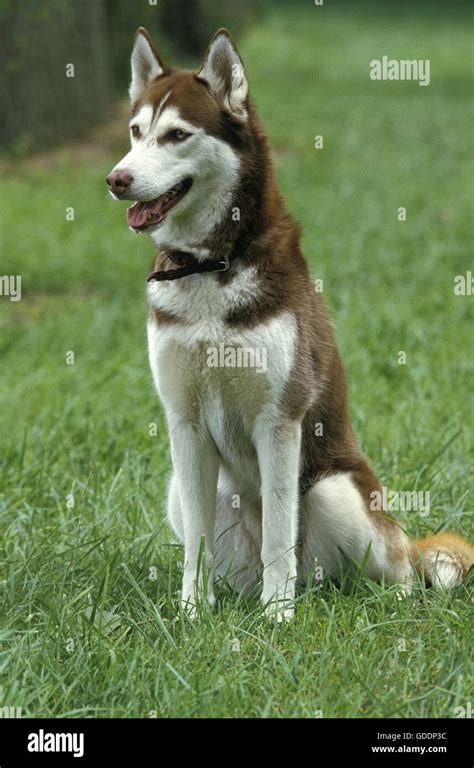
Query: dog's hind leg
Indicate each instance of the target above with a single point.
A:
(339, 531)
(238, 540)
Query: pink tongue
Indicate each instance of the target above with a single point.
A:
(140, 213)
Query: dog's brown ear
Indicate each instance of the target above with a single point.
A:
(146, 64)
(223, 70)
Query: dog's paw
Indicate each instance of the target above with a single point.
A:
(277, 611)
(278, 598)
(189, 607)
(190, 604)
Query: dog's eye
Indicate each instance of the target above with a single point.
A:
(135, 131)
(177, 135)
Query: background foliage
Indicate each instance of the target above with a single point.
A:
(39, 38)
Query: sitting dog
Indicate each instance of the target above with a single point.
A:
(268, 477)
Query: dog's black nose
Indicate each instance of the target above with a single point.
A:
(119, 181)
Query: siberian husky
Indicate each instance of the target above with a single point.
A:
(268, 477)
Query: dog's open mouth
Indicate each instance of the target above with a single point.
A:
(142, 215)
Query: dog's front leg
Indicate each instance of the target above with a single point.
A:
(196, 465)
(278, 449)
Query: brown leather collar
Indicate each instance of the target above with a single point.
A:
(188, 265)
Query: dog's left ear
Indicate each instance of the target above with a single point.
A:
(146, 64)
(224, 72)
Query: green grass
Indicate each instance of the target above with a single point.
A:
(90, 620)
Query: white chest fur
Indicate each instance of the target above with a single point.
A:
(210, 374)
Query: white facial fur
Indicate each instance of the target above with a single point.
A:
(157, 167)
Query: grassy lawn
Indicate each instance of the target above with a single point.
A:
(89, 573)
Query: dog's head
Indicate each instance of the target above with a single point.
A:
(185, 132)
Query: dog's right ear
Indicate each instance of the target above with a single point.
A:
(146, 64)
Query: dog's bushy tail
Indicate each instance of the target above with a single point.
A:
(443, 560)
